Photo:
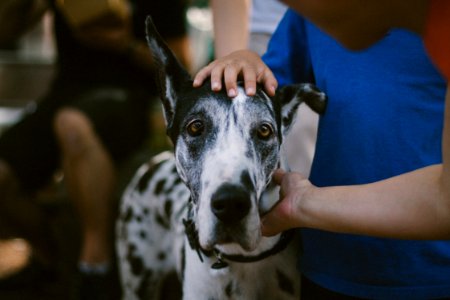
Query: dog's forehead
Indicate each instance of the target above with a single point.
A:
(204, 99)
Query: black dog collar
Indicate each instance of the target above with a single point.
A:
(192, 236)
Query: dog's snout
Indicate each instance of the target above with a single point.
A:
(230, 203)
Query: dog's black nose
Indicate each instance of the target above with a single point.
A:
(230, 203)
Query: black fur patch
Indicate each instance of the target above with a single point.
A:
(145, 179)
(177, 181)
(128, 215)
(136, 262)
(161, 256)
(183, 262)
(159, 187)
(168, 208)
(229, 289)
(163, 222)
(142, 290)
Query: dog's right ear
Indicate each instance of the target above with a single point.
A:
(172, 77)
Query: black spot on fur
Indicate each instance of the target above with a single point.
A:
(143, 234)
(162, 256)
(145, 179)
(159, 186)
(135, 261)
(168, 190)
(285, 283)
(128, 215)
(162, 221)
(139, 219)
(168, 208)
(145, 211)
(183, 263)
(142, 290)
(177, 181)
(229, 289)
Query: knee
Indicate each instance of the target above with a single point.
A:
(74, 132)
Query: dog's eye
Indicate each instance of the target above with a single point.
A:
(265, 131)
(195, 128)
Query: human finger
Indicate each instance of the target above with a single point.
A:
(201, 75)
(249, 75)
(275, 221)
(268, 80)
(217, 73)
(231, 72)
(278, 176)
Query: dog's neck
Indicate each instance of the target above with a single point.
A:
(221, 260)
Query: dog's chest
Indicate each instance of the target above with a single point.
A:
(275, 277)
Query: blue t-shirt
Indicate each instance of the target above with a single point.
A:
(384, 118)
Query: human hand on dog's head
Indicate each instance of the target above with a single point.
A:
(242, 64)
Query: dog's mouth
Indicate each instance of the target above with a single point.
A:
(232, 238)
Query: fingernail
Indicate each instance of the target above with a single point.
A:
(231, 93)
(215, 85)
(250, 91)
(195, 82)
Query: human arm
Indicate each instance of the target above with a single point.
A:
(414, 205)
(231, 26)
(287, 56)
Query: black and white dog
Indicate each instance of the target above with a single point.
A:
(198, 211)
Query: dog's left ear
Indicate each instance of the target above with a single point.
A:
(172, 77)
(291, 96)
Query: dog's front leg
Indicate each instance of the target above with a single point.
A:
(200, 281)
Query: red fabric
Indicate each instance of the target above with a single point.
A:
(437, 35)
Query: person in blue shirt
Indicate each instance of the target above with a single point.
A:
(382, 129)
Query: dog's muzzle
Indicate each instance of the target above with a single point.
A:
(230, 203)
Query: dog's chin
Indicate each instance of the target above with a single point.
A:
(230, 243)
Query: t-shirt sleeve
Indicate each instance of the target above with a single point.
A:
(287, 53)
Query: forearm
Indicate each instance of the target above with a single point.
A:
(445, 179)
(231, 28)
(414, 205)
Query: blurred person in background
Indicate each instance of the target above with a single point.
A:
(93, 117)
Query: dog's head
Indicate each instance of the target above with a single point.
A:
(226, 149)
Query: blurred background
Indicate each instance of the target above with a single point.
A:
(26, 72)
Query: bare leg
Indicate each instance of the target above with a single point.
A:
(90, 177)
